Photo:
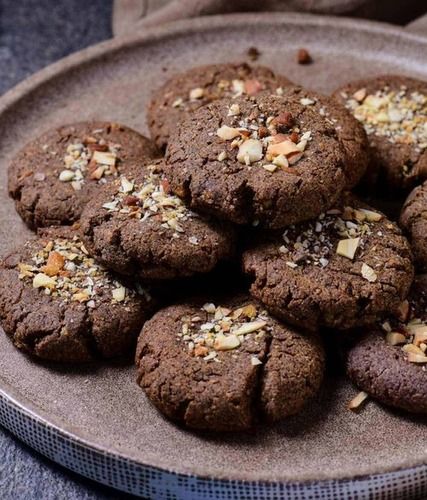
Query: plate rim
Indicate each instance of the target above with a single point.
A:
(109, 47)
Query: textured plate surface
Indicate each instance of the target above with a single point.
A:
(102, 405)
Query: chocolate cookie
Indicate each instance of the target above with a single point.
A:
(222, 368)
(347, 268)
(389, 363)
(136, 226)
(393, 110)
(54, 176)
(185, 92)
(268, 160)
(57, 304)
(350, 131)
(413, 220)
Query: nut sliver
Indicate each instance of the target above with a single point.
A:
(250, 327)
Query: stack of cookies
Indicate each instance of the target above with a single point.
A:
(232, 244)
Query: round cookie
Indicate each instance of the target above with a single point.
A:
(268, 160)
(413, 220)
(136, 226)
(55, 175)
(224, 367)
(393, 110)
(57, 304)
(347, 268)
(389, 363)
(185, 92)
(350, 131)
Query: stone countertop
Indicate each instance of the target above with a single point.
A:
(33, 34)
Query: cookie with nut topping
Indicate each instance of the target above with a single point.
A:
(137, 227)
(390, 362)
(53, 177)
(393, 111)
(413, 221)
(226, 366)
(347, 268)
(265, 160)
(185, 92)
(58, 304)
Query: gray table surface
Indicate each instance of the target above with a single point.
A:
(34, 33)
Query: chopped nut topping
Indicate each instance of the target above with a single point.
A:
(410, 335)
(399, 115)
(347, 248)
(261, 140)
(196, 93)
(223, 330)
(227, 133)
(250, 151)
(368, 273)
(315, 244)
(151, 199)
(63, 269)
(356, 403)
(91, 157)
(395, 338)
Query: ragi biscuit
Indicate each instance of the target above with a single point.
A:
(347, 268)
(136, 226)
(413, 220)
(390, 362)
(265, 160)
(57, 304)
(185, 92)
(224, 367)
(393, 110)
(53, 177)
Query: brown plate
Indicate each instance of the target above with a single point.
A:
(63, 412)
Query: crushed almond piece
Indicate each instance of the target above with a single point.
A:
(395, 338)
(196, 93)
(347, 248)
(250, 151)
(55, 263)
(368, 273)
(227, 133)
(356, 403)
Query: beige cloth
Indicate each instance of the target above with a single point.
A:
(134, 14)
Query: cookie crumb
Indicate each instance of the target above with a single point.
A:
(253, 53)
(304, 57)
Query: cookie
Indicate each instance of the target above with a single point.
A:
(267, 160)
(224, 367)
(389, 363)
(393, 110)
(57, 304)
(54, 176)
(185, 92)
(350, 131)
(347, 268)
(136, 226)
(413, 220)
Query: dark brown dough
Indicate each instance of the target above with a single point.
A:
(413, 220)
